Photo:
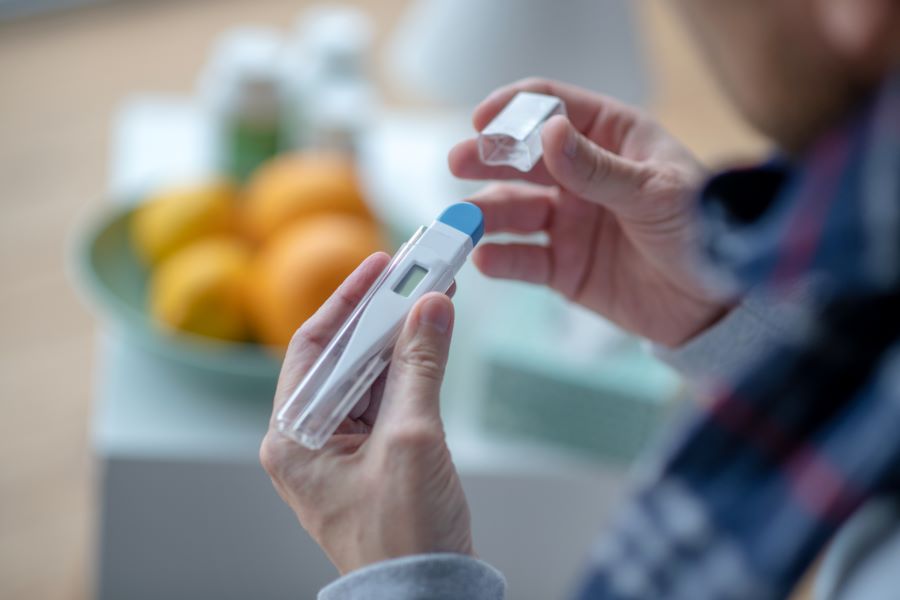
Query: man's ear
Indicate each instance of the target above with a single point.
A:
(865, 34)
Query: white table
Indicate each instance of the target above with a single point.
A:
(187, 512)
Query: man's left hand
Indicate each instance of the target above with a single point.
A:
(380, 488)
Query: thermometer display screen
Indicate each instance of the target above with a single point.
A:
(411, 280)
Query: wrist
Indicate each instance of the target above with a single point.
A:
(685, 318)
(755, 325)
(711, 315)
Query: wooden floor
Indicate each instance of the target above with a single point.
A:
(61, 77)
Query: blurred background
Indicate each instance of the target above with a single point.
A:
(158, 155)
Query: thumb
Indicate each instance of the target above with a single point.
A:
(412, 391)
(585, 169)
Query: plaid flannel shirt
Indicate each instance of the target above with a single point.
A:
(759, 480)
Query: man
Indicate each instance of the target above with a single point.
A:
(805, 433)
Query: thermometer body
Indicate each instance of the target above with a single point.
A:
(363, 346)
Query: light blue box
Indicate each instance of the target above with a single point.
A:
(606, 404)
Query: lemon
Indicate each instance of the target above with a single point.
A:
(200, 289)
(295, 186)
(175, 218)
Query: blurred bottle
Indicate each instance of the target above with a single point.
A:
(326, 69)
(242, 89)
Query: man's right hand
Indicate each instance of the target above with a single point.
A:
(613, 194)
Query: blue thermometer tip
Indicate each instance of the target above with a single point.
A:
(465, 217)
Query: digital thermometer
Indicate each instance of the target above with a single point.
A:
(364, 344)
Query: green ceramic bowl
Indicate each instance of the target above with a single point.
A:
(114, 282)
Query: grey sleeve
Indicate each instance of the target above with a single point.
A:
(420, 577)
(861, 562)
(729, 347)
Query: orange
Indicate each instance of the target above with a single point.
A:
(175, 218)
(201, 289)
(301, 267)
(295, 186)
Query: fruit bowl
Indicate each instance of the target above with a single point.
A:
(114, 282)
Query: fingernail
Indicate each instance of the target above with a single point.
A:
(570, 146)
(435, 313)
